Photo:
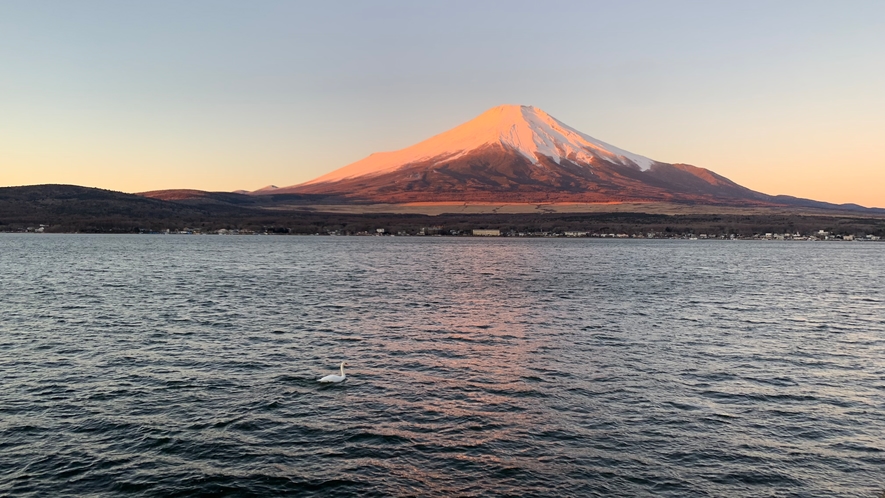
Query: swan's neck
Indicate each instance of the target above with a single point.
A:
(342, 369)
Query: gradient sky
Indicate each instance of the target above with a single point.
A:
(784, 97)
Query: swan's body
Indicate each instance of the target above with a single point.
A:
(335, 378)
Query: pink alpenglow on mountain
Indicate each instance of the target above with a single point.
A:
(514, 153)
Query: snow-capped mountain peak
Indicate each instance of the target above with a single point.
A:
(532, 131)
(527, 130)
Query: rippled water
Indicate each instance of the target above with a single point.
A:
(154, 365)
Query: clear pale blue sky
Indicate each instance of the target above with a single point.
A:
(781, 96)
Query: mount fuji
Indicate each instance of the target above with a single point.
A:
(521, 154)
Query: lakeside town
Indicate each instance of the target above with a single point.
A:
(439, 231)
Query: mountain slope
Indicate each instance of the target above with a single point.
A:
(522, 154)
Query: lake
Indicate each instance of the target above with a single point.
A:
(155, 365)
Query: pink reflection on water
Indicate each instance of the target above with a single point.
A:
(471, 353)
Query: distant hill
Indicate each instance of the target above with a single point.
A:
(201, 197)
(72, 208)
(94, 210)
(239, 199)
(37, 201)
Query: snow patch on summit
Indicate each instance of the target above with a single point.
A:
(557, 140)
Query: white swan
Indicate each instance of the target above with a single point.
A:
(336, 378)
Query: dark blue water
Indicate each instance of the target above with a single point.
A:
(163, 366)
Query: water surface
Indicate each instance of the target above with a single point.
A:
(176, 365)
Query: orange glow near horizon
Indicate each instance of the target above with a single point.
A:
(854, 173)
